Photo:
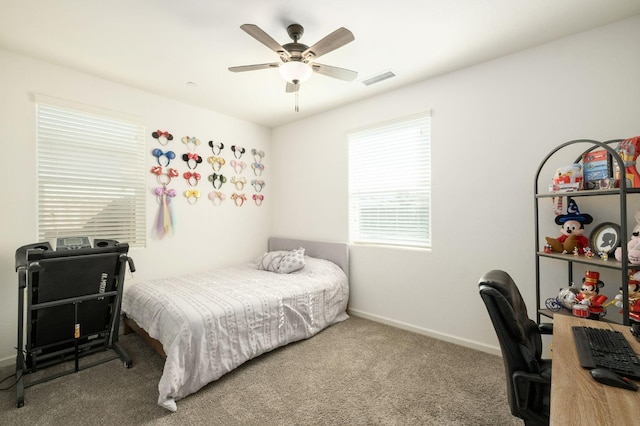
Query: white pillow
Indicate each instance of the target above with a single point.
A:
(292, 261)
(270, 260)
(282, 262)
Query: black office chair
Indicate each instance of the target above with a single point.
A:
(528, 375)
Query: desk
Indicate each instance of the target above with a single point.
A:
(577, 399)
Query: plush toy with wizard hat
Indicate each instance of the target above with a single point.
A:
(572, 230)
(590, 296)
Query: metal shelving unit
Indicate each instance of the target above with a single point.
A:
(620, 193)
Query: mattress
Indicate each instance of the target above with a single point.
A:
(210, 323)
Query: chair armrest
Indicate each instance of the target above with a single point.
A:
(522, 400)
(545, 328)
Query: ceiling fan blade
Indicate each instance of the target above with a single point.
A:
(292, 88)
(336, 39)
(264, 38)
(335, 72)
(243, 68)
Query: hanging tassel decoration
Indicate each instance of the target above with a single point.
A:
(165, 223)
(169, 217)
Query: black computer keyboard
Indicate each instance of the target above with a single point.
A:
(606, 348)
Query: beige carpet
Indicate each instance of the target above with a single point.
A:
(358, 372)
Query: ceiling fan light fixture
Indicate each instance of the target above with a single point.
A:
(295, 72)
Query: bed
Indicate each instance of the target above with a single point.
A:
(207, 324)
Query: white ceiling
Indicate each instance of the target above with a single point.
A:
(160, 45)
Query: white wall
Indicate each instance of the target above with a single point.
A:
(492, 125)
(206, 236)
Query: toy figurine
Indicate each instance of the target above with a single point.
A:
(572, 229)
(633, 246)
(629, 149)
(588, 252)
(566, 299)
(590, 296)
(567, 179)
(634, 296)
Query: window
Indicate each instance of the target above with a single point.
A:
(390, 183)
(90, 175)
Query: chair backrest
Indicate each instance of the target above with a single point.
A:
(519, 337)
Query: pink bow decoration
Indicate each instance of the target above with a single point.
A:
(161, 190)
(189, 175)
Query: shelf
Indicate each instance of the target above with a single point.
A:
(550, 314)
(618, 206)
(587, 193)
(611, 263)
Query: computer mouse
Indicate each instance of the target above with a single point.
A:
(608, 377)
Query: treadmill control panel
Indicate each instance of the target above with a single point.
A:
(72, 243)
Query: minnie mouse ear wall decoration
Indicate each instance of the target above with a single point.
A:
(192, 178)
(163, 178)
(217, 197)
(258, 198)
(258, 168)
(257, 155)
(217, 180)
(191, 142)
(216, 147)
(192, 159)
(237, 151)
(216, 162)
(257, 184)
(238, 199)
(192, 195)
(238, 166)
(163, 158)
(163, 137)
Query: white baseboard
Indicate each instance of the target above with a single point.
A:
(435, 334)
(399, 324)
(10, 360)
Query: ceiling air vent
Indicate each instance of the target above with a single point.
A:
(378, 78)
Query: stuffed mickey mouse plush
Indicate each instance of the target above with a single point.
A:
(572, 229)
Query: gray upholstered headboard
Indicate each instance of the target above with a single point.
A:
(337, 253)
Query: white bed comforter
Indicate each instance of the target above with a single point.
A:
(209, 323)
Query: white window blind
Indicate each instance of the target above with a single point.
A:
(390, 183)
(90, 176)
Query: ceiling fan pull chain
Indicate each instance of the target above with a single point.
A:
(297, 109)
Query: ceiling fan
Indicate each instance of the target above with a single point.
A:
(297, 59)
